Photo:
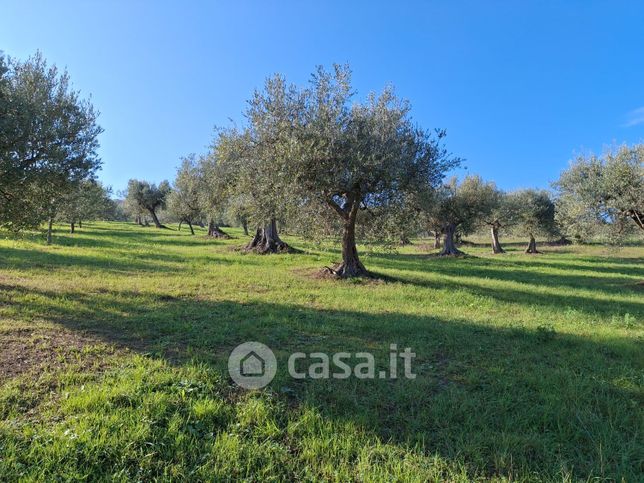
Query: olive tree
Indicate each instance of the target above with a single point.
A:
(183, 200)
(603, 192)
(89, 200)
(258, 155)
(48, 142)
(461, 206)
(214, 179)
(501, 216)
(148, 197)
(533, 214)
(354, 156)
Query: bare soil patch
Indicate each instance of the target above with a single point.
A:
(36, 350)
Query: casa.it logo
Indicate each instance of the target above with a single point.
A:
(252, 365)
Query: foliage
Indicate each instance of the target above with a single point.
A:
(603, 192)
(148, 197)
(48, 141)
(533, 212)
(89, 200)
(466, 205)
(214, 178)
(344, 156)
(184, 199)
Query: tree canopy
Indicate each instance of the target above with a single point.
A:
(604, 192)
(533, 214)
(355, 156)
(148, 197)
(48, 141)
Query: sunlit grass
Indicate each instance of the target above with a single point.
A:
(529, 367)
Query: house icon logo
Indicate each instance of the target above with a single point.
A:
(252, 365)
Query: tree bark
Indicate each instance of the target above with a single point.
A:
(50, 229)
(155, 218)
(267, 240)
(138, 220)
(80, 223)
(215, 231)
(351, 265)
(496, 245)
(437, 239)
(637, 217)
(244, 224)
(72, 227)
(180, 223)
(449, 247)
(192, 230)
(532, 246)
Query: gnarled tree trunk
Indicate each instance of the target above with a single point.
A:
(192, 230)
(155, 218)
(449, 247)
(267, 240)
(637, 216)
(437, 239)
(80, 223)
(496, 245)
(215, 231)
(72, 227)
(351, 265)
(532, 246)
(244, 224)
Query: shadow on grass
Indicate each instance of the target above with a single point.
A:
(120, 235)
(502, 400)
(526, 275)
(117, 262)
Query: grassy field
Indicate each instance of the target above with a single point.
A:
(115, 340)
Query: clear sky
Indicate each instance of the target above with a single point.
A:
(520, 86)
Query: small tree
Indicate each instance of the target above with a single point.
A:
(501, 216)
(89, 200)
(534, 214)
(463, 207)
(132, 209)
(213, 186)
(148, 197)
(183, 200)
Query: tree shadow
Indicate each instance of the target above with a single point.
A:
(527, 279)
(148, 262)
(500, 400)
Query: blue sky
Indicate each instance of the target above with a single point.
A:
(519, 86)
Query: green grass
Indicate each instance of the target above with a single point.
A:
(115, 340)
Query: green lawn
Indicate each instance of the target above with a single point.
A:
(115, 340)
